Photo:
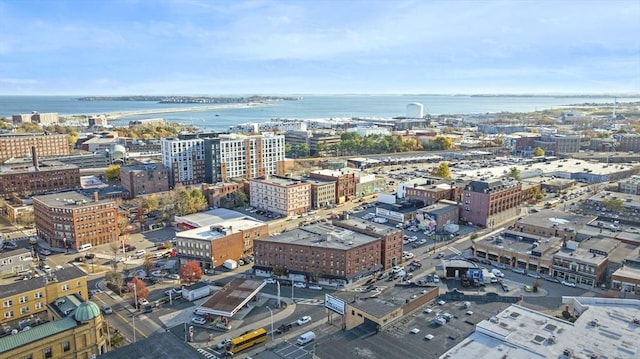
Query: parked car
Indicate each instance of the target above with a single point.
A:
(199, 320)
(299, 285)
(519, 270)
(501, 266)
(45, 252)
(270, 281)
(10, 245)
(534, 275)
(439, 255)
(568, 284)
(283, 328)
(304, 320)
(140, 253)
(90, 256)
(505, 287)
(161, 246)
(315, 286)
(552, 279)
(173, 276)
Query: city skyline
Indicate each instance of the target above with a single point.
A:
(195, 47)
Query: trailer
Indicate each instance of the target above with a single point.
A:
(230, 264)
(196, 291)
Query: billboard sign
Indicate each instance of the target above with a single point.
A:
(334, 303)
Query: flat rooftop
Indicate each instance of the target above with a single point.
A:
(69, 199)
(377, 228)
(628, 272)
(230, 298)
(322, 235)
(580, 254)
(605, 329)
(629, 200)
(559, 219)
(43, 166)
(11, 287)
(210, 217)
(510, 241)
(280, 181)
(220, 229)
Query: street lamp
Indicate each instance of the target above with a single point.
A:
(271, 313)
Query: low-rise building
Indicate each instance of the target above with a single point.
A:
(37, 177)
(141, 180)
(432, 193)
(210, 246)
(435, 217)
(281, 195)
(215, 193)
(345, 183)
(319, 252)
(15, 262)
(69, 220)
(580, 263)
(323, 193)
(391, 246)
(485, 203)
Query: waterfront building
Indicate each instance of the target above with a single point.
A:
(40, 118)
(70, 220)
(20, 145)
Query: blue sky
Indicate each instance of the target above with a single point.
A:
(113, 47)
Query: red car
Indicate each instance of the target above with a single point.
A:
(161, 246)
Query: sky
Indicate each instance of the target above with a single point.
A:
(215, 47)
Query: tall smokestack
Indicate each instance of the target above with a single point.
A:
(95, 196)
(34, 156)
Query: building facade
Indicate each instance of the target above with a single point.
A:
(19, 145)
(318, 253)
(69, 220)
(15, 262)
(214, 193)
(345, 183)
(391, 246)
(184, 159)
(37, 117)
(323, 193)
(212, 245)
(247, 156)
(431, 194)
(280, 195)
(485, 203)
(38, 178)
(144, 179)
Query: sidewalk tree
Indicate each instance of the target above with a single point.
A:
(137, 289)
(190, 272)
(112, 173)
(538, 152)
(115, 280)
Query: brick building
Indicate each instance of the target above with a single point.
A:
(38, 177)
(144, 179)
(215, 192)
(391, 239)
(19, 145)
(485, 203)
(319, 253)
(37, 117)
(282, 195)
(430, 194)
(323, 193)
(69, 219)
(345, 183)
(212, 245)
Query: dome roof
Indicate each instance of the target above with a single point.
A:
(86, 311)
(119, 148)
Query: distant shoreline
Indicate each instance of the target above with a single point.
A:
(119, 115)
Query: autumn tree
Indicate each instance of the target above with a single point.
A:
(442, 171)
(538, 152)
(26, 219)
(112, 173)
(137, 289)
(147, 265)
(190, 272)
(115, 280)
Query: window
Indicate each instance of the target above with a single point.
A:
(8, 314)
(28, 356)
(48, 353)
(23, 299)
(24, 310)
(8, 303)
(65, 287)
(66, 346)
(39, 305)
(38, 295)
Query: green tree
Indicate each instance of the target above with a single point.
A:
(442, 171)
(514, 173)
(112, 173)
(614, 205)
(538, 152)
(26, 219)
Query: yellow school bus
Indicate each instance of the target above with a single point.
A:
(246, 341)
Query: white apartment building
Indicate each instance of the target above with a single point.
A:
(281, 195)
(250, 156)
(185, 160)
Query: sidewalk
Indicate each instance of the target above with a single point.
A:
(264, 323)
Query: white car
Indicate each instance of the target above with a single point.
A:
(315, 286)
(270, 281)
(199, 320)
(140, 253)
(441, 302)
(304, 320)
(223, 343)
(45, 252)
(415, 331)
(143, 302)
(299, 285)
(568, 284)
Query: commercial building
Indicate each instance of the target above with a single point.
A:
(72, 329)
(26, 298)
(345, 183)
(323, 193)
(37, 177)
(391, 239)
(432, 193)
(578, 263)
(244, 156)
(320, 253)
(601, 327)
(281, 195)
(19, 145)
(212, 245)
(217, 193)
(144, 179)
(37, 117)
(627, 277)
(184, 158)
(485, 203)
(629, 143)
(435, 217)
(13, 211)
(69, 220)
(630, 185)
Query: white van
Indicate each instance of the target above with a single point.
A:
(85, 247)
(306, 338)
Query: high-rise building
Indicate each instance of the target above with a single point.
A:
(184, 158)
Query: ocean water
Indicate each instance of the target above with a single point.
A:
(307, 107)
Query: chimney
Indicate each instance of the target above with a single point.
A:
(95, 196)
(34, 157)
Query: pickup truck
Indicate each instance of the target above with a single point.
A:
(283, 328)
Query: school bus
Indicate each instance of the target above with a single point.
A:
(246, 341)
(551, 204)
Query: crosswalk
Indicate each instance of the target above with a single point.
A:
(309, 301)
(207, 354)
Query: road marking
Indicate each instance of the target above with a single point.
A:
(207, 354)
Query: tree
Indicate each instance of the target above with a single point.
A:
(514, 173)
(168, 244)
(614, 205)
(442, 171)
(26, 219)
(147, 265)
(114, 248)
(190, 272)
(115, 279)
(137, 289)
(112, 173)
(538, 152)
